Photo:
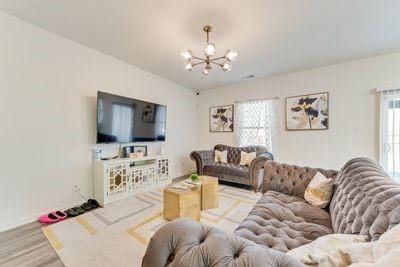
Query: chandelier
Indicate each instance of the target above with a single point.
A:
(224, 62)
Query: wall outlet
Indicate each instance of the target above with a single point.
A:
(359, 130)
(75, 188)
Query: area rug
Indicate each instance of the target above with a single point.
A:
(118, 234)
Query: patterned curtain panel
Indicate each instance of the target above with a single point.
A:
(254, 123)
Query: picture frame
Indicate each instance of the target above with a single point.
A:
(307, 112)
(140, 149)
(221, 118)
(148, 113)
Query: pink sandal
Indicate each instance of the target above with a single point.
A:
(52, 217)
(61, 215)
(48, 218)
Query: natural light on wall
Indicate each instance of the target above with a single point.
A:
(255, 123)
(390, 132)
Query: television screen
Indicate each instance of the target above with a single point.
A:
(125, 120)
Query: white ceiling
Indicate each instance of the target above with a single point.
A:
(270, 36)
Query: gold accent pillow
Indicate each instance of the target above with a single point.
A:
(319, 191)
(221, 156)
(247, 158)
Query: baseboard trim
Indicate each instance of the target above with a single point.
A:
(29, 219)
(32, 218)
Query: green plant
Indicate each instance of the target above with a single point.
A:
(194, 177)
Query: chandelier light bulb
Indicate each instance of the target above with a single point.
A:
(188, 66)
(210, 49)
(230, 55)
(226, 66)
(206, 69)
(187, 54)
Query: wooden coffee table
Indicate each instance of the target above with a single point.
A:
(209, 192)
(189, 202)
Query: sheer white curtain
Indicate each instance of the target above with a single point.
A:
(390, 132)
(254, 122)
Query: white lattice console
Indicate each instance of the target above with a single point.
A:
(119, 178)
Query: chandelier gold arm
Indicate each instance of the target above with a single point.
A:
(219, 64)
(217, 58)
(198, 63)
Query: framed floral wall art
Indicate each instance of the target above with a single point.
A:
(307, 112)
(221, 119)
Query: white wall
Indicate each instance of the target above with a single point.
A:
(48, 88)
(353, 104)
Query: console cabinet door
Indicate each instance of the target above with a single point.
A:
(118, 181)
(163, 170)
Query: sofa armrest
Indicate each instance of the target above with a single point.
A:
(255, 167)
(290, 179)
(202, 158)
(184, 242)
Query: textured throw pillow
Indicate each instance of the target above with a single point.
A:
(247, 158)
(324, 252)
(221, 156)
(319, 191)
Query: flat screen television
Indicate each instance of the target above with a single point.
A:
(127, 120)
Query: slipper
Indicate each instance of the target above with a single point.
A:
(48, 218)
(72, 212)
(86, 206)
(93, 203)
(61, 215)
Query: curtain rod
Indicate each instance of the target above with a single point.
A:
(386, 90)
(269, 98)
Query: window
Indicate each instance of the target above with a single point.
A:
(254, 123)
(390, 133)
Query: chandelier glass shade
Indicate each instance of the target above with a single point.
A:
(223, 62)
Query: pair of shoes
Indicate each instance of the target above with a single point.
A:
(52, 217)
(90, 204)
(78, 210)
(75, 211)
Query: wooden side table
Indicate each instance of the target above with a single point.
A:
(209, 192)
(182, 203)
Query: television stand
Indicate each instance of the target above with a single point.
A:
(115, 179)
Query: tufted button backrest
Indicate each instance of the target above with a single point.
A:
(184, 242)
(366, 200)
(233, 154)
(290, 179)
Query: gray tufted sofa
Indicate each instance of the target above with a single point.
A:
(365, 201)
(232, 171)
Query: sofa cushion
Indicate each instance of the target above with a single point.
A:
(366, 200)
(234, 152)
(226, 169)
(284, 222)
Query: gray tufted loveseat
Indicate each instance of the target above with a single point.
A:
(232, 171)
(365, 201)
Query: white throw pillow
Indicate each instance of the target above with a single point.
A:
(247, 158)
(378, 253)
(319, 191)
(221, 156)
(324, 252)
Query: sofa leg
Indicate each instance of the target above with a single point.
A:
(255, 189)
